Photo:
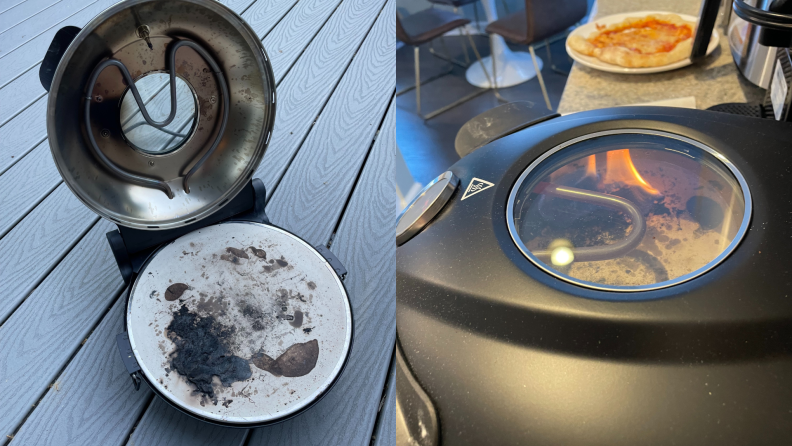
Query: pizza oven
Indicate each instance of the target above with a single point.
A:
(609, 277)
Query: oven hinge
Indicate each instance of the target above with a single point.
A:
(333, 260)
(131, 364)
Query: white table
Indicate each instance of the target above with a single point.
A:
(511, 67)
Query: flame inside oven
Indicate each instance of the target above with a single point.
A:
(631, 216)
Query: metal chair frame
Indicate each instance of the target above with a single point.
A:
(447, 58)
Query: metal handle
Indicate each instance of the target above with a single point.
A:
(602, 252)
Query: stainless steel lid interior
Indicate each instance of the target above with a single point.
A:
(208, 97)
(239, 323)
(629, 210)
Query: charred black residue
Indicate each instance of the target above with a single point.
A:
(254, 314)
(298, 319)
(297, 360)
(260, 253)
(311, 285)
(234, 254)
(307, 330)
(175, 291)
(202, 351)
(282, 263)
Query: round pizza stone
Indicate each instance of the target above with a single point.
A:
(239, 323)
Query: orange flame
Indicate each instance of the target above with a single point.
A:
(621, 170)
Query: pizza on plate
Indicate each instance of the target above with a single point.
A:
(639, 42)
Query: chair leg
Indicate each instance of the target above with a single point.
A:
(494, 80)
(459, 101)
(447, 56)
(464, 47)
(475, 14)
(417, 54)
(539, 76)
(483, 68)
(435, 77)
(550, 59)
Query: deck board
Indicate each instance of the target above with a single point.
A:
(162, 425)
(262, 16)
(87, 407)
(386, 427)
(23, 134)
(86, 283)
(339, 141)
(287, 41)
(35, 245)
(25, 185)
(19, 34)
(58, 278)
(300, 97)
(23, 11)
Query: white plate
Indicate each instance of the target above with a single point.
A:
(586, 30)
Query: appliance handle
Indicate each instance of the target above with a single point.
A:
(706, 23)
(63, 38)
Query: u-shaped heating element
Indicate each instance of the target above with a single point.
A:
(601, 252)
(139, 179)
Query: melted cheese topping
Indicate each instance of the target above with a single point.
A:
(646, 36)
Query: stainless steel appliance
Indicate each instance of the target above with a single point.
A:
(754, 60)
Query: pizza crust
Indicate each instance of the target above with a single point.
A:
(625, 57)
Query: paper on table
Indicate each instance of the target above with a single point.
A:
(686, 102)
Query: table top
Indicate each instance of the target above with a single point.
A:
(329, 176)
(715, 81)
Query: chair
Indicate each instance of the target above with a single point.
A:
(538, 21)
(423, 27)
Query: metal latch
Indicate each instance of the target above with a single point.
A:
(333, 260)
(131, 364)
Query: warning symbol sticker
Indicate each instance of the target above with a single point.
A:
(476, 185)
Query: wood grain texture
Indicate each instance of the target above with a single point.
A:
(16, 62)
(324, 171)
(162, 425)
(26, 131)
(25, 185)
(385, 435)
(365, 244)
(40, 337)
(312, 79)
(95, 402)
(288, 40)
(19, 95)
(17, 35)
(23, 11)
(238, 6)
(265, 14)
(37, 243)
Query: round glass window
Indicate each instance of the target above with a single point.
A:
(629, 210)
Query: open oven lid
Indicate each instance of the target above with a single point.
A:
(629, 210)
(208, 96)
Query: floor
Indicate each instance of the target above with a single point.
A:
(428, 147)
(328, 174)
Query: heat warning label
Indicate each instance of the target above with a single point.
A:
(476, 185)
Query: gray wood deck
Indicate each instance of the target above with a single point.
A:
(329, 174)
